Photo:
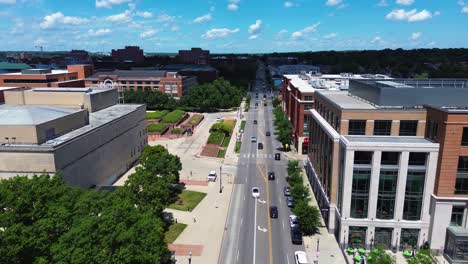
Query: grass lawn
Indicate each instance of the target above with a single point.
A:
(242, 126)
(156, 127)
(173, 117)
(156, 114)
(216, 137)
(222, 153)
(195, 119)
(173, 233)
(187, 200)
(230, 123)
(238, 146)
(226, 141)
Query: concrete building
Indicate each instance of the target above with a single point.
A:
(81, 133)
(128, 54)
(170, 83)
(375, 167)
(73, 76)
(195, 56)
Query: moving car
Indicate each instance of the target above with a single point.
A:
(260, 145)
(265, 104)
(300, 257)
(253, 139)
(287, 191)
(255, 122)
(267, 133)
(255, 192)
(296, 238)
(212, 176)
(277, 156)
(271, 176)
(293, 222)
(290, 201)
(273, 212)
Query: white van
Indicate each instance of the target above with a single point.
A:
(212, 176)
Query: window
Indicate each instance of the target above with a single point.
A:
(417, 159)
(408, 127)
(414, 195)
(147, 82)
(383, 237)
(363, 157)
(306, 124)
(357, 127)
(147, 88)
(387, 193)
(357, 236)
(457, 215)
(360, 193)
(461, 183)
(431, 129)
(382, 127)
(139, 82)
(95, 82)
(308, 98)
(123, 82)
(390, 158)
(308, 106)
(465, 137)
(409, 238)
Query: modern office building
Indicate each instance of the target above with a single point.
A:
(128, 54)
(73, 76)
(82, 134)
(379, 173)
(170, 83)
(195, 56)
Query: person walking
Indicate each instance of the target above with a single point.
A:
(194, 219)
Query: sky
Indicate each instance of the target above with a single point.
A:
(233, 26)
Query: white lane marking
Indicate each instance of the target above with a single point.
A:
(283, 224)
(242, 220)
(255, 233)
(237, 258)
(261, 201)
(287, 258)
(262, 229)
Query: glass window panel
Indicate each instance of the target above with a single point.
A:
(386, 196)
(457, 215)
(357, 127)
(360, 193)
(382, 127)
(383, 237)
(408, 127)
(414, 195)
(409, 238)
(357, 236)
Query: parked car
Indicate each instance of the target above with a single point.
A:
(212, 176)
(273, 212)
(287, 191)
(296, 238)
(260, 145)
(277, 156)
(300, 257)
(290, 201)
(255, 192)
(293, 221)
(255, 122)
(271, 176)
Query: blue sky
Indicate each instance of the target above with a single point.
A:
(233, 25)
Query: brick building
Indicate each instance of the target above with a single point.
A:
(195, 56)
(129, 53)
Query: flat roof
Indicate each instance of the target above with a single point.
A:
(388, 139)
(52, 72)
(310, 85)
(25, 115)
(130, 74)
(343, 100)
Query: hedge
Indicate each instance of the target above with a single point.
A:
(173, 117)
(156, 114)
(157, 127)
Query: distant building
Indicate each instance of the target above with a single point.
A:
(294, 69)
(73, 76)
(129, 53)
(276, 61)
(195, 56)
(170, 83)
(80, 133)
(9, 67)
(77, 57)
(204, 73)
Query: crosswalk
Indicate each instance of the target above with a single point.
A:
(264, 156)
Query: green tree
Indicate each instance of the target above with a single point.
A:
(157, 161)
(424, 256)
(293, 166)
(380, 256)
(308, 216)
(299, 192)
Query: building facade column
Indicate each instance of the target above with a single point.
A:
(374, 185)
(395, 131)
(401, 185)
(369, 127)
(431, 168)
(347, 183)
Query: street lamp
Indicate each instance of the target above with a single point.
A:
(220, 179)
(318, 244)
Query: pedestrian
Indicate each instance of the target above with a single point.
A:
(176, 220)
(194, 219)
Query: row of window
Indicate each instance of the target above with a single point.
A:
(390, 158)
(382, 237)
(383, 127)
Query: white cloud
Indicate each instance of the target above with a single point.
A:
(300, 34)
(289, 4)
(416, 35)
(58, 19)
(377, 40)
(465, 10)
(233, 7)
(145, 14)
(461, 3)
(175, 28)
(120, 18)
(99, 32)
(410, 15)
(382, 3)
(405, 2)
(253, 37)
(333, 2)
(10, 2)
(430, 44)
(437, 13)
(110, 3)
(281, 34)
(256, 28)
(297, 35)
(202, 19)
(330, 36)
(219, 33)
(18, 28)
(165, 18)
(40, 42)
(212, 9)
(148, 33)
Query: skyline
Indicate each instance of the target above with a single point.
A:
(233, 26)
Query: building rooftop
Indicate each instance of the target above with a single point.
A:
(19, 115)
(13, 66)
(38, 72)
(343, 100)
(185, 67)
(130, 74)
(310, 85)
(388, 139)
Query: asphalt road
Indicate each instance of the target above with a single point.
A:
(251, 236)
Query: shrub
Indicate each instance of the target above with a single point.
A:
(216, 137)
(380, 256)
(195, 119)
(157, 127)
(176, 131)
(156, 114)
(173, 117)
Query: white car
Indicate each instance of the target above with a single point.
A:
(300, 257)
(218, 119)
(293, 222)
(212, 176)
(253, 139)
(255, 192)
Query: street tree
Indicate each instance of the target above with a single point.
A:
(380, 256)
(308, 216)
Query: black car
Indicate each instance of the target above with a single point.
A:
(255, 122)
(277, 156)
(271, 176)
(264, 104)
(296, 236)
(267, 133)
(260, 145)
(273, 212)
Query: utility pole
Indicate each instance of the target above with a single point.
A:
(220, 179)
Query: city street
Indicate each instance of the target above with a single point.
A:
(251, 236)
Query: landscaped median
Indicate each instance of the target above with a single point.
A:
(238, 140)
